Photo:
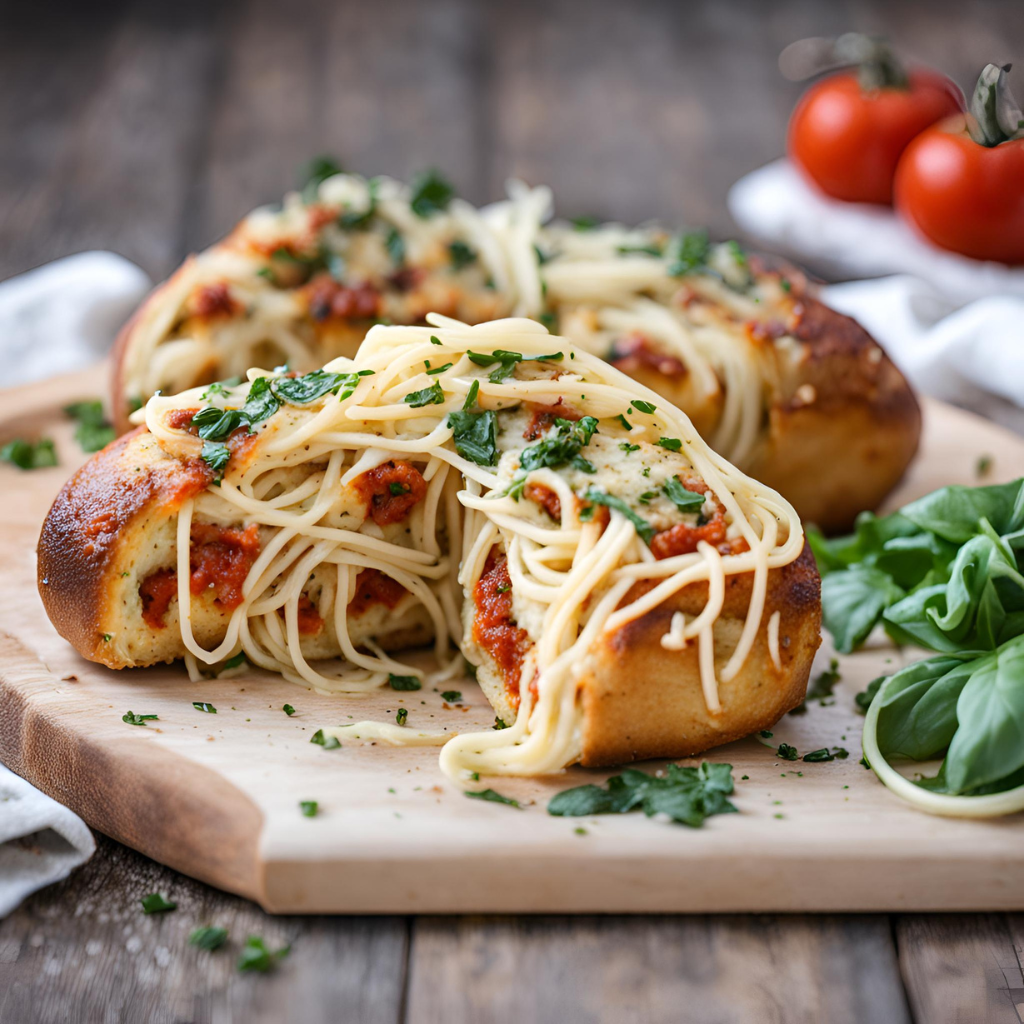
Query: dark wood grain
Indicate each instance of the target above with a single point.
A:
(716, 970)
(83, 952)
(150, 128)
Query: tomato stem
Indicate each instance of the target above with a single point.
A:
(878, 67)
(995, 116)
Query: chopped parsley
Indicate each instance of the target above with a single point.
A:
(585, 223)
(156, 903)
(651, 249)
(311, 386)
(319, 169)
(217, 424)
(236, 662)
(94, 430)
(642, 406)
(309, 808)
(622, 419)
(673, 444)
(395, 245)
(561, 446)
(208, 938)
(499, 724)
(404, 682)
(29, 454)
(432, 371)
(507, 362)
(216, 455)
(452, 696)
(687, 795)
(787, 752)
(475, 433)
(627, 447)
(201, 705)
(327, 742)
(402, 716)
(460, 254)
(256, 955)
(684, 500)
(647, 497)
(643, 528)
(133, 719)
(430, 194)
(493, 796)
(428, 396)
(688, 252)
(288, 710)
(434, 340)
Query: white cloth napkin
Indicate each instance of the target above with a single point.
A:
(65, 315)
(59, 318)
(954, 325)
(41, 842)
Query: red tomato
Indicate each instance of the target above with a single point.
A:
(964, 196)
(847, 141)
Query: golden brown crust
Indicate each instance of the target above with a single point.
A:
(642, 701)
(844, 426)
(88, 524)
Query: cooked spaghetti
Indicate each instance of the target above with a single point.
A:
(506, 492)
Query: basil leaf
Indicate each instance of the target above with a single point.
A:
(216, 455)
(261, 402)
(217, 424)
(257, 956)
(202, 705)
(156, 903)
(311, 386)
(853, 602)
(94, 431)
(475, 433)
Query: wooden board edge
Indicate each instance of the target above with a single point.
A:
(127, 796)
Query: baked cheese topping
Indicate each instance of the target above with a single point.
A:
(494, 468)
(304, 283)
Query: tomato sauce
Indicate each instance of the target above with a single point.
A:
(310, 622)
(220, 560)
(682, 539)
(157, 591)
(391, 490)
(546, 498)
(181, 419)
(544, 417)
(214, 300)
(635, 352)
(330, 300)
(375, 587)
(494, 629)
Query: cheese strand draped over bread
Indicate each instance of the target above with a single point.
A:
(493, 487)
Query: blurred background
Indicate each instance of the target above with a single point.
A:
(149, 128)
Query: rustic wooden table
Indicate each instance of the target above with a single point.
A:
(149, 129)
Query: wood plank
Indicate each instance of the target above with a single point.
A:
(82, 952)
(400, 818)
(716, 970)
(962, 969)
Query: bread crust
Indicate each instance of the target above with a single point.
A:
(112, 525)
(642, 701)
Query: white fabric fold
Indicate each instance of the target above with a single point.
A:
(954, 325)
(41, 841)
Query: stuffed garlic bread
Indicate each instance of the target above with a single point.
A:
(624, 591)
(781, 385)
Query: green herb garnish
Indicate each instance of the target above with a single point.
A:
(404, 682)
(673, 444)
(428, 396)
(430, 194)
(493, 796)
(475, 433)
(94, 430)
(155, 903)
(288, 710)
(684, 500)
(687, 795)
(309, 808)
(461, 254)
(643, 528)
(133, 719)
(319, 169)
(452, 696)
(29, 454)
(402, 716)
(208, 938)
(327, 742)
(201, 705)
(256, 956)
(787, 753)
(688, 252)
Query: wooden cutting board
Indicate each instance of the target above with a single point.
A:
(217, 796)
